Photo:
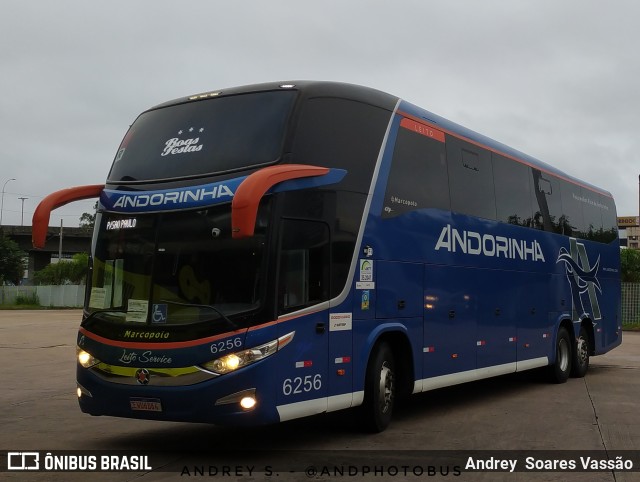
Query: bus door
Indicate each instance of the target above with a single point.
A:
(450, 325)
(536, 325)
(303, 281)
(502, 303)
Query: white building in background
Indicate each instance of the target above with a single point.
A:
(629, 232)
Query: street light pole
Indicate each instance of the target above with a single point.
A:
(2, 201)
(22, 214)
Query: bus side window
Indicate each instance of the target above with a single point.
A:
(592, 212)
(513, 191)
(609, 220)
(599, 217)
(470, 179)
(303, 273)
(572, 205)
(547, 206)
(418, 177)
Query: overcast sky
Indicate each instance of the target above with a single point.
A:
(558, 80)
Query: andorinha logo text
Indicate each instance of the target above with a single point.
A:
(168, 199)
(471, 242)
(173, 197)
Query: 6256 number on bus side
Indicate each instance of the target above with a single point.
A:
(301, 385)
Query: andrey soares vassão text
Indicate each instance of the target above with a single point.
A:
(535, 464)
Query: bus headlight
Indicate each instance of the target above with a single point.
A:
(86, 359)
(233, 361)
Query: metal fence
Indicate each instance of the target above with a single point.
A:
(631, 305)
(63, 296)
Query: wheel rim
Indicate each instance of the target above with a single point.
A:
(563, 355)
(583, 353)
(385, 397)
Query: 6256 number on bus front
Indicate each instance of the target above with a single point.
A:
(302, 385)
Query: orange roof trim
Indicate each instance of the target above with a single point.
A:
(244, 208)
(53, 201)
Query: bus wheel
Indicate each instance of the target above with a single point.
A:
(380, 389)
(560, 370)
(580, 362)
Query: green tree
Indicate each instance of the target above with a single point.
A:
(12, 262)
(88, 220)
(64, 272)
(630, 265)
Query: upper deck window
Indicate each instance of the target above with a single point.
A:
(204, 137)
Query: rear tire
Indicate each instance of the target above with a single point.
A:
(580, 361)
(380, 389)
(561, 369)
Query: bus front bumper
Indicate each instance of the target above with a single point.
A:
(232, 399)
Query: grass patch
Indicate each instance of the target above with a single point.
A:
(631, 327)
(28, 300)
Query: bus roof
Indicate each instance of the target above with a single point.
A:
(308, 88)
(311, 89)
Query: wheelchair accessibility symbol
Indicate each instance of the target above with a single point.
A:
(159, 313)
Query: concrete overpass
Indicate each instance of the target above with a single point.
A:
(74, 240)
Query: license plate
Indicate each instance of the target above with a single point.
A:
(146, 404)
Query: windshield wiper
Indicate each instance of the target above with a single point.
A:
(213, 308)
(105, 310)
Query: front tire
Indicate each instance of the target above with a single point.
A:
(580, 362)
(380, 389)
(561, 369)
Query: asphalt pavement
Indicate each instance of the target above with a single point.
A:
(595, 415)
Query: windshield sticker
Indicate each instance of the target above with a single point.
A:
(159, 313)
(176, 145)
(137, 310)
(118, 282)
(97, 299)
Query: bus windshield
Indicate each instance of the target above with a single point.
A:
(176, 268)
(204, 137)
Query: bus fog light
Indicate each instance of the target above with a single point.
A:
(248, 403)
(81, 391)
(246, 398)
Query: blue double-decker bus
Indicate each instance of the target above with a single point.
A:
(273, 251)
